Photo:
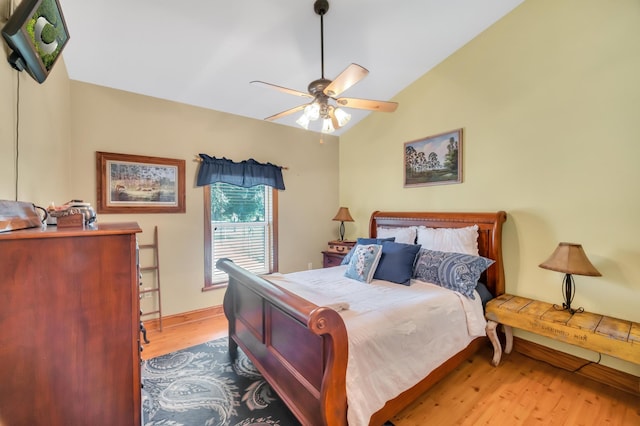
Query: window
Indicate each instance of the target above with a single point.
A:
(240, 224)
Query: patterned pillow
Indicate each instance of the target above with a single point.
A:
(361, 241)
(364, 262)
(455, 271)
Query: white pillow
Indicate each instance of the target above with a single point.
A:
(402, 235)
(452, 240)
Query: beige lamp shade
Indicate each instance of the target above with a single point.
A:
(343, 215)
(570, 258)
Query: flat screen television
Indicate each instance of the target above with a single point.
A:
(37, 33)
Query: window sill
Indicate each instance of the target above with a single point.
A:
(215, 286)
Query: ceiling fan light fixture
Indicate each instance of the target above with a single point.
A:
(342, 116)
(327, 126)
(303, 121)
(324, 91)
(312, 111)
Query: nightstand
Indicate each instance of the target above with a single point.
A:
(611, 336)
(336, 252)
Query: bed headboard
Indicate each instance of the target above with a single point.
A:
(489, 235)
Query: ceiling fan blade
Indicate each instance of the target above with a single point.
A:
(347, 78)
(282, 89)
(287, 112)
(382, 106)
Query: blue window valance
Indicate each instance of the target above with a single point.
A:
(246, 173)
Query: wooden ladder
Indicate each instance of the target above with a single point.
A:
(155, 268)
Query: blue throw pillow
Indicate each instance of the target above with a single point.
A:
(364, 262)
(485, 294)
(455, 271)
(396, 263)
(363, 241)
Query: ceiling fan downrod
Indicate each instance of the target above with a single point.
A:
(321, 7)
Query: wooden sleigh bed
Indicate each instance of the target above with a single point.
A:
(302, 349)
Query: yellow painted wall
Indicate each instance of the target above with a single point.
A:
(115, 121)
(35, 138)
(549, 102)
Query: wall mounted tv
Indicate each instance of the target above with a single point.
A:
(37, 33)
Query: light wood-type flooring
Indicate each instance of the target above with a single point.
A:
(521, 391)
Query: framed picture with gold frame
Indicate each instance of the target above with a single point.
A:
(434, 160)
(139, 184)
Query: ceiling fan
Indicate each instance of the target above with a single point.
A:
(322, 91)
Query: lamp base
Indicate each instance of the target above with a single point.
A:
(569, 291)
(566, 307)
(341, 231)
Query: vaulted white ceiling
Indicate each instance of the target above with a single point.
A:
(205, 52)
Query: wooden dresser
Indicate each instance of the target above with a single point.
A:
(69, 326)
(336, 252)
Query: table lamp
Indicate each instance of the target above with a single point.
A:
(570, 259)
(343, 216)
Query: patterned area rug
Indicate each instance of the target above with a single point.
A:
(199, 386)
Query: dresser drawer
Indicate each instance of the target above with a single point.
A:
(330, 259)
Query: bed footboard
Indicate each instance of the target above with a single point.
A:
(300, 348)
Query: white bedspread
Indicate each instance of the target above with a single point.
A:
(397, 334)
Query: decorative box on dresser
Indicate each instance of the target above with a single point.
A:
(69, 326)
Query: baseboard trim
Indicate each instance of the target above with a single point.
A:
(600, 373)
(183, 318)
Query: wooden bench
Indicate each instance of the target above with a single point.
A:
(611, 336)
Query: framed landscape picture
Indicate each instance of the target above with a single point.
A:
(139, 184)
(434, 160)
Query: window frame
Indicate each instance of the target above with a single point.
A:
(208, 243)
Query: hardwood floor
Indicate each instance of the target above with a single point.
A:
(521, 391)
(176, 337)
